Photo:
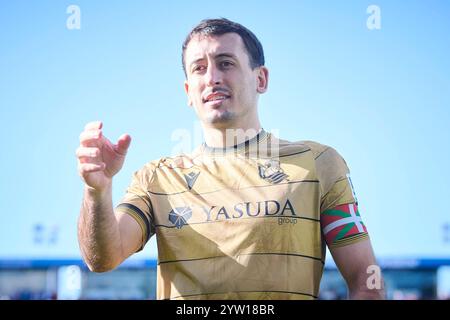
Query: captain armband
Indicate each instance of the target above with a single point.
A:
(342, 225)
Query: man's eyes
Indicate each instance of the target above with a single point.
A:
(198, 68)
(226, 64)
(222, 64)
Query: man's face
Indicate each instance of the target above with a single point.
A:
(221, 86)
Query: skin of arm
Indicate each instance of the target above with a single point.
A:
(106, 238)
(355, 262)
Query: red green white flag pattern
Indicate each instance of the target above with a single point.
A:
(343, 225)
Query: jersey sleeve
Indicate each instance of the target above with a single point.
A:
(340, 219)
(136, 203)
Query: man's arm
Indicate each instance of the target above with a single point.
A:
(357, 264)
(106, 239)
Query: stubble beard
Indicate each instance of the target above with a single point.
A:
(224, 118)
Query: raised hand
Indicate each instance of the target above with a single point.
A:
(98, 158)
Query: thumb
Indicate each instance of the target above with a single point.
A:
(122, 144)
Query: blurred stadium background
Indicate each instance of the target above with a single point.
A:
(380, 96)
(64, 279)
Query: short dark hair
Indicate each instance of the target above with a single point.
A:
(217, 27)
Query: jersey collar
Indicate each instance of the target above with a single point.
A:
(238, 148)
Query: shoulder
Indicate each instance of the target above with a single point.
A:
(182, 161)
(330, 166)
(319, 151)
(164, 166)
(325, 155)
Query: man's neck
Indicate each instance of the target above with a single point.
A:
(229, 137)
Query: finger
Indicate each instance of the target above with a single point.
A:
(94, 125)
(84, 168)
(90, 138)
(86, 152)
(123, 144)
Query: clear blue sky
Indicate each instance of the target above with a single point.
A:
(380, 97)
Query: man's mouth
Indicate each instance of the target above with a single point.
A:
(216, 97)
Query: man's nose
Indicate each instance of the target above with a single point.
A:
(213, 76)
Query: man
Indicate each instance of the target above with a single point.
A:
(246, 215)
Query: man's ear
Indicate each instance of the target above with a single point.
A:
(186, 88)
(263, 79)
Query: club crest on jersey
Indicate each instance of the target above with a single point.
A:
(271, 171)
(179, 216)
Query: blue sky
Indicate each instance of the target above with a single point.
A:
(380, 97)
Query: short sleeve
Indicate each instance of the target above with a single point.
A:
(136, 203)
(334, 176)
(340, 219)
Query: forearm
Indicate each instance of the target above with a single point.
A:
(367, 294)
(367, 290)
(98, 231)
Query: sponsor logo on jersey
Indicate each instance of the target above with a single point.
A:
(190, 178)
(271, 171)
(180, 216)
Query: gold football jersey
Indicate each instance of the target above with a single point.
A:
(241, 222)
